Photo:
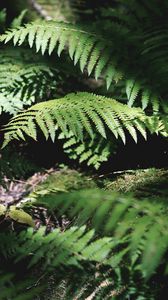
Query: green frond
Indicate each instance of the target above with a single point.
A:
(132, 89)
(78, 113)
(84, 47)
(133, 223)
(19, 19)
(23, 79)
(98, 244)
(113, 235)
(85, 255)
(93, 152)
(75, 245)
(104, 56)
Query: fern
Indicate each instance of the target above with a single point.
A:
(94, 151)
(75, 245)
(75, 251)
(19, 19)
(23, 79)
(132, 222)
(46, 35)
(102, 245)
(85, 121)
(121, 236)
(97, 55)
(78, 113)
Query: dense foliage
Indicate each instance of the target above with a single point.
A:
(53, 69)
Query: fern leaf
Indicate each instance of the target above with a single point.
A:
(145, 98)
(133, 224)
(95, 112)
(94, 53)
(23, 79)
(83, 46)
(132, 89)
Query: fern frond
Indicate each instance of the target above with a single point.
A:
(78, 113)
(96, 54)
(23, 79)
(75, 245)
(76, 251)
(93, 152)
(101, 57)
(91, 51)
(122, 234)
(113, 243)
(135, 224)
(19, 19)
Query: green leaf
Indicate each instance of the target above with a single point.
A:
(20, 216)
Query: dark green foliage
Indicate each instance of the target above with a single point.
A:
(23, 79)
(121, 234)
(14, 164)
(102, 245)
(102, 57)
(9, 290)
(94, 152)
(117, 215)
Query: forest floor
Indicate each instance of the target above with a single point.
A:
(141, 183)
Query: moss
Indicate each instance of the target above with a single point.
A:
(66, 180)
(145, 183)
